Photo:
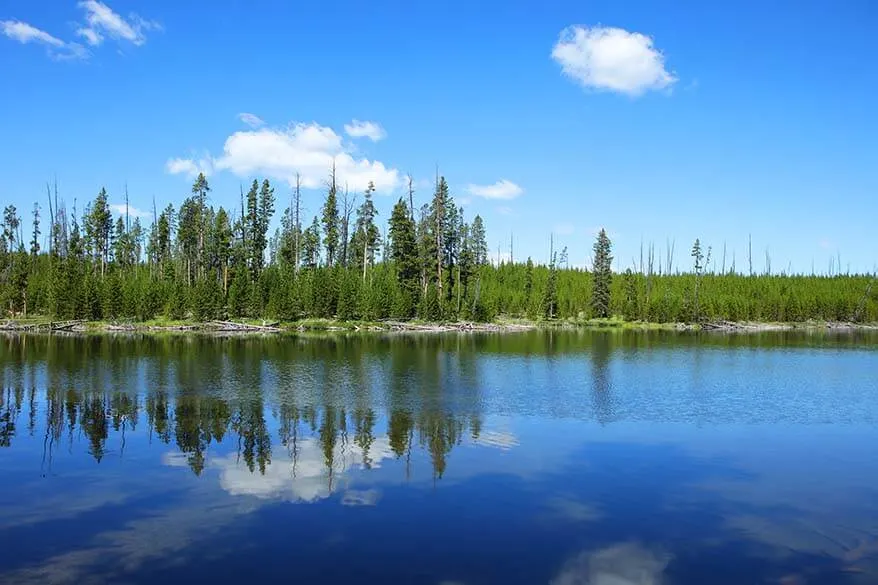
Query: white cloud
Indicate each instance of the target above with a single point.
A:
(504, 210)
(251, 120)
(90, 36)
(102, 21)
(189, 167)
(371, 130)
(502, 189)
(132, 211)
(25, 33)
(611, 59)
(309, 149)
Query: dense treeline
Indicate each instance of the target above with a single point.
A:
(200, 262)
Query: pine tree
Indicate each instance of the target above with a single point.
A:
(404, 254)
(35, 239)
(99, 226)
(700, 264)
(330, 220)
(528, 286)
(602, 276)
(480, 241)
(550, 297)
(200, 189)
(311, 245)
(367, 238)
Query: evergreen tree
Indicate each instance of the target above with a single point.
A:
(367, 238)
(700, 264)
(550, 297)
(528, 286)
(98, 227)
(311, 245)
(260, 219)
(480, 241)
(35, 239)
(200, 189)
(330, 221)
(602, 276)
(404, 254)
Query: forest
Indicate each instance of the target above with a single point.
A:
(196, 262)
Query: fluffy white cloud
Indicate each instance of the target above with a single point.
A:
(119, 208)
(189, 167)
(611, 59)
(371, 130)
(307, 149)
(102, 21)
(251, 120)
(502, 189)
(25, 33)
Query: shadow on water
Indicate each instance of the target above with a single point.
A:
(394, 445)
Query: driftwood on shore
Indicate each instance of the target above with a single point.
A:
(43, 326)
(223, 326)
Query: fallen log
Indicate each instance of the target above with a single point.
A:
(233, 326)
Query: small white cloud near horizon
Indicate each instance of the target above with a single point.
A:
(365, 129)
(611, 59)
(189, 167)
(825, 243)
(101, 21)
(251, 120)
(308, 149)
(133, 212)
(25, 33)
(502, 189)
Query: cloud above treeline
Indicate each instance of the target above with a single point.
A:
(502, 189)
(611, 59)
(308, 149)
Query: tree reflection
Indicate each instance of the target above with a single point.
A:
(602, 399)
(416, 400)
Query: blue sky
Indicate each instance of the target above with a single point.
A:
(655, 120)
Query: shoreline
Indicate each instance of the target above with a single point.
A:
(45, 326)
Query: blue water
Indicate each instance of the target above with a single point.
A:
(533, 458)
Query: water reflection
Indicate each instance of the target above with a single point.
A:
(561, 458)
(313, 441)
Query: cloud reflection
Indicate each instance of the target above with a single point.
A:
(304, 477)
(620, 564)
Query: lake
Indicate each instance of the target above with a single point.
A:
(541, 457)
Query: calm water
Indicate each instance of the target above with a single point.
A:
(531, 458)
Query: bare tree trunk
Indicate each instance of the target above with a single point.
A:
(724, 258)
(411, 182)
(365, 255)
(750, 252)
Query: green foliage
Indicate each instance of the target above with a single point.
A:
(198, 261)
(602, 276)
